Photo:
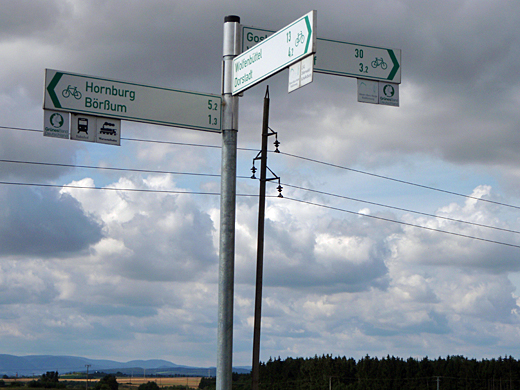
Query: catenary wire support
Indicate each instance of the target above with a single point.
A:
(254, 169)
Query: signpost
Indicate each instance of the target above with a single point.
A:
(275, 53)
(342, 58)
(98, 105)
(131, 101)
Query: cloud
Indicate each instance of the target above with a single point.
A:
(431, 248)
(154, 237)
(41, 223)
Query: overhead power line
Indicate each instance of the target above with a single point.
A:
(246, 177)
(110, 188)
(313, 161)
(118, 189)
(288, 185)
(399, 180)
(109, 168)
(403, 209)
(401, 222)
(255, 195)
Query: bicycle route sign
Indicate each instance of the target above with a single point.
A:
(342, 58)
(275, 53)
(97, 96)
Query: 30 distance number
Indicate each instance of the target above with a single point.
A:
(358, 53)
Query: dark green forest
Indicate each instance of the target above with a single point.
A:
(389, 373)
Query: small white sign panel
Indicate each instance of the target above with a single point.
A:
(83, 128)
(55, 124)
(300, 74)
(368, 91)
(389, 94)
(96, 129)
(294, 76)
(306, 70)
(108, 131)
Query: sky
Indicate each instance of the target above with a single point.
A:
(398, 233)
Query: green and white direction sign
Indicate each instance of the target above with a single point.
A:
(275, 53)
(131, 101)
(342, 58)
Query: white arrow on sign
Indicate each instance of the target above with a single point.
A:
(131, 101)
(342, 58)
(275, 53)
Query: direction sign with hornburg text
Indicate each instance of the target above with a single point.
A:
(131, 101)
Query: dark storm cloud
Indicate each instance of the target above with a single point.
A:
(26, 18)
(43, 223)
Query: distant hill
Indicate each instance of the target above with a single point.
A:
(38, 364)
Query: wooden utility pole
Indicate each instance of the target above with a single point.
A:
(86, 384)
(260, 245)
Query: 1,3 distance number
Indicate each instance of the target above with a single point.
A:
(213, 119)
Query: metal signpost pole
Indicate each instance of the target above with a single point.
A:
(227, 206)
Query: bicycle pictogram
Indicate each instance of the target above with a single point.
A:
(300, 39)
(71, 91)
(379, 62)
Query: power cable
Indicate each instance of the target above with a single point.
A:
(399, 180)
(254, 195)
(245, 177)
(118, 189)
(402, 223)
(317, 162)
(314, 161)
(402, 209)
(108, 168)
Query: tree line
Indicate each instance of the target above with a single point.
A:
(388, 373)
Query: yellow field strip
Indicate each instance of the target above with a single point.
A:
(192, 382)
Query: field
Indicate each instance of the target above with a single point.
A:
(191, 382)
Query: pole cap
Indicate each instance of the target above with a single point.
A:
(232, 18)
